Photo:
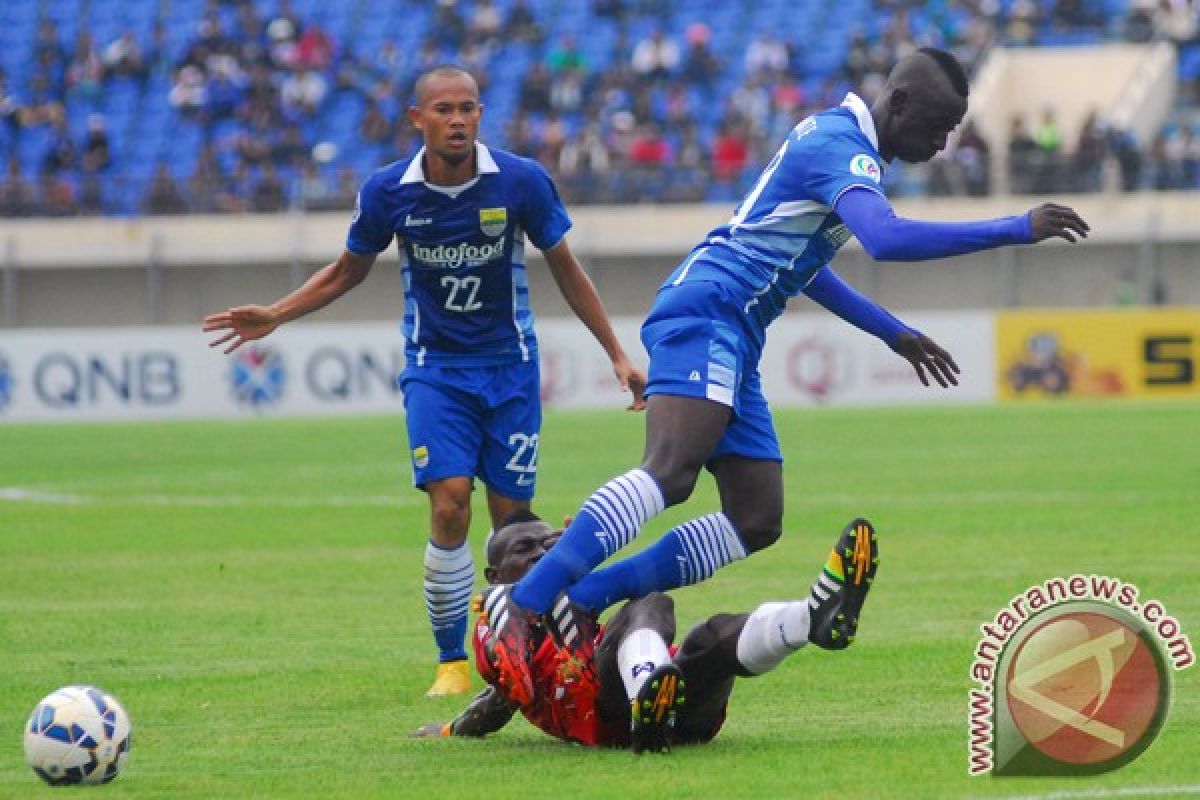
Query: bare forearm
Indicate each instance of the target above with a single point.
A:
(580, 293)
(487, 713)
(322, 288)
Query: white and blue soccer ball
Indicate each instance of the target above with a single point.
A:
(77, 734)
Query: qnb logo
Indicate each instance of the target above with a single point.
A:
(258, 377)
(452, 256)
(7, 384)
(1087, 691)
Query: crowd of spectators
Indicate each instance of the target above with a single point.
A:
(284, 114)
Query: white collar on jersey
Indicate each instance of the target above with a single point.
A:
(484, 163)
(863, 115)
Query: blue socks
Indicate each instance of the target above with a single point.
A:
(449, 580)
(686, 555)
(608, 521)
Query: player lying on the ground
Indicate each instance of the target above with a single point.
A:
(639, 691)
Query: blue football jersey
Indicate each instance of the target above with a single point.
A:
(785, 229)
(462, 254)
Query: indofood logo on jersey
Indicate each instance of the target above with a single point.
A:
(259, 377)
(1074, 678)
(452, 256)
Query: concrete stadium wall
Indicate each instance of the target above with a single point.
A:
(103, 272)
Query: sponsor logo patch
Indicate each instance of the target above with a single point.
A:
(862, 164)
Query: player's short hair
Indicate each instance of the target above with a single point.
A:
(951, 67)
(436, 72)
(518, 517)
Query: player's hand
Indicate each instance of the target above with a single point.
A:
(434, 730)
(240, 325)
(632, 380)
(926, 355)
(1050, 220)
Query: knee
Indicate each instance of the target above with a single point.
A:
(675, 483)
(451, 518)
(759, 531)
(655, 611)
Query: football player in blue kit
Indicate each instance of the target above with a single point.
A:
(705, 332)
(460, 213)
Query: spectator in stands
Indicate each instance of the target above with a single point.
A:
(1021, 149)
(269, 194)
(649, 154)
(314, 49)
(1091, 150)
(164, 196)
(289, 149)
(486, 24)
(225, 88)
(521, 25)
(448, 26)
(1129, 159)
(189, 95)
(701, 67)
(583, 165)
(730, 151)
(91, 195)
(565, 56)
(767, 53)
(10, 106)
(752, 102)
(1048, 156)
(972, 156)
(85, 72)
(57, 196)
(96, 155)
(1176, 20)
(534, 97)
(375, 127)
(302, 92)
(62, 154)
(689, 175)
(656, 57)
(17, 198)
(123, 58)
(49, 54)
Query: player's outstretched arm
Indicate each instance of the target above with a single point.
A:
(925, 355)
(487, 713)
(580, 293)
(887, 237)
(242, 324)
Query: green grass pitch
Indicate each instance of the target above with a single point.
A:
(250, 591)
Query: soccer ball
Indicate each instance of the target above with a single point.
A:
(78, 734)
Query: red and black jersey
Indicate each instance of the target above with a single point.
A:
(564, 694)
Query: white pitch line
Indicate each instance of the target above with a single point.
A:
(18, 494)
(1089, 794)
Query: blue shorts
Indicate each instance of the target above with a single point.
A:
(699, 348)
(475, 422)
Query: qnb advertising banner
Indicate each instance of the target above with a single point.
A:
(1097, 353)
(170, 372)
(316, 369)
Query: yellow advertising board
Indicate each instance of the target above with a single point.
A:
(1120, 352)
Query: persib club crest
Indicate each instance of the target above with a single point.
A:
(258, 376)
(493, 221)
